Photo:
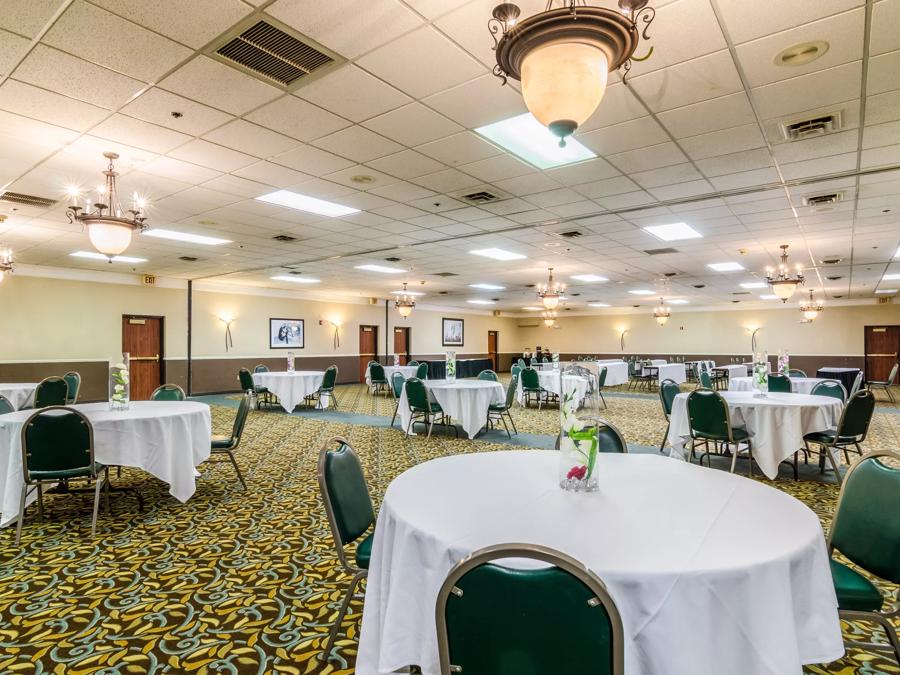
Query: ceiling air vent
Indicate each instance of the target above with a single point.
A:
(831, 260)
(273, 53)
(284, 238)
(27, 200)
(798, 130)
(480, 197)
(445, 274)
(188, 258)
(823, 200)
(393, 258)
(571, 234)
(660, 251)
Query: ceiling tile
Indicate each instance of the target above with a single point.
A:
(183, 171)
(297, 118)
(251, 138)
(619, 105)
(689, 82)
(12, 48)
(312, 161)
(139, 134)
(725, 142)
(407, 164)
(215, 84)
(459, 149)
(373, 178)
(213, 156)
(885, 18)
(358, 144)
(882, 75)
(748, 20)
(402, 192)
(719, 113)
(637, 133)
(413, 124)
(352, 93)
(583, 172)
(272, 174)
(669, 175)
(446, 181)
(821, 88)
(478, 102)
(643, 159)
(156, 105)
(27, 17)
(497, 168)
(43, 105)
(735, 163)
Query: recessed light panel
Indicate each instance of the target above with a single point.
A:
(886, 291)
(890, 277)
(488, 287)
(93, 255)
(384, 269)
(673, 232)
(294, 200)
(598, 304)
(754, 284)
(416, 293)
(589, 278)
(533, 309)
(726, 267)
(186, 236)
(677, 301)
(527, 138)
(642, 291)
(497, 254)
(481, 302)
(768, 297)
(296, 280)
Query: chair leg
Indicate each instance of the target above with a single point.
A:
(22, 497)
(602, 399)
(662, 445)
(890, 393)
(505, 426)
(236, 468)
(396, 410)
(345, 604)
(40, 502)
(97, 485)
(512, 421)
(834, 465)
(734, 460)
(890, 631)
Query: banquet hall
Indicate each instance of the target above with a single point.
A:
(441, 336)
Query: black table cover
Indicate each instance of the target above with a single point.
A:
(437, 370)
(845, 376)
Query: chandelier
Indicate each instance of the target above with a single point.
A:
(783, 284)
(108, 226)
(563, 55)
(662, 312)
(404, 303)
(549, 319)
(811, 307)
(6, 261)
(551, 292)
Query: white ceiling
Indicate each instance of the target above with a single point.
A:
(699, 118)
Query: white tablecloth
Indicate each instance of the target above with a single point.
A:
(734, 370)
(712, 573)
(616, 372)
(777, 423)
(167, 439)
(465, 401)
(668, 371)
(799, 385)
(551, 380)
(292, 388)
(608, 361)
(18, 393)
(406, 371)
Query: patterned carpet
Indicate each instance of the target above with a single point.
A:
(247, 582)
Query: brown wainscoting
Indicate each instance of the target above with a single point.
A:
(809, 364)
(94, 375)
(216, 376)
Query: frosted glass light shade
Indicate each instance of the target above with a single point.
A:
(110, 239)
(550, 301)
(564, 82)
(784, 290)
(404, 310)
(810, 314)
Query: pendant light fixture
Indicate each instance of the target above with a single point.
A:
(404, 303)
(563, 55)
(109, 228)
(551, 292)
(784, 284)
(549, 319)
(811, 308)
(6, 261)
(662, 312)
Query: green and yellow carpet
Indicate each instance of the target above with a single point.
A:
(247, 582)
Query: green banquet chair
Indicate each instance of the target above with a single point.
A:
(885, 385)
(705, 381)
(515, 370)
(413, 364)
(5, 405)
(422, 409)
(866, 531)
(796, 372)
(851, 430)
(397, 381)
(488, 375)
(779, 384)
(609, 438)
(58, 445)
(531, 387)
(73, 380)
(710, 420)
(601, 382)
(168, 392)
(498, 620)
(422, 371)
(497, 411)
(831, 388)
(51, 391)
(325, 389)
(260, 368)
(668, 390)
(351, 517)
(377, 378)
(223, 446)
(261, 394)
(857, 384)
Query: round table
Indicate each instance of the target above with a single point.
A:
(712, 573)
(406, 371)
(18, 393)
(777, 423)
(291, 387)
(167, 439)
(799, 385)
(466, 401)
(552, 381)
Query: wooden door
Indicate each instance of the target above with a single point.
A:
(882, 347)
(142, 338)
(401, 344)
(368, 348)
(493, 341)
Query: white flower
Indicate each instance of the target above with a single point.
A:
(120, 366)
(119, 388)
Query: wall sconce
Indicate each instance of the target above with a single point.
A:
(753, 332)
(227, 320)
(622, 333)
(336, 324)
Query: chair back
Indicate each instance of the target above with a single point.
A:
(521, 363)
(780, 384)
(705, 379)
(246, 380)
(376, 373)
(5, 405)
(329, 378)
(515, 370)
(609, 438)
(530, 379)
(397, 381)
(417, 395)
(260, 368)
(511, 391)
(168, 392)
(412, 363)
(488, 375)
(857, 383)
(708, 414)
(668, 390)
(422, 371)
(51, 391)
(601, 381)
(505, 621)
(857, 415)
(831, 388)
(345, 493)
(893, 374)
(865, 528)
(73, 379)
(796, 372)
(237, 429)
(57, 442)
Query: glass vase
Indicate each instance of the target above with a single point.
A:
(761, 375)
(119, 384)
(290, 362)
(579, 418)
(451, 366)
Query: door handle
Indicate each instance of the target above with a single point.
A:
(144, 358)
(892, 355)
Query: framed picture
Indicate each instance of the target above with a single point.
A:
(286, 334)
(453, 333)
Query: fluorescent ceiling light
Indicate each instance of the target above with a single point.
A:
(769, 297)
(186, 236)
(497, 254)
(641, 291)
(488, 287)
(754, 284)
(677, 301)
(294, 200)
(897, 254)
(598, 304)
(384, 269)
(885, 291)
(533, 309)
(890, 277)
(673, 232)
(481, 302)
(93, 255)
(417, 293)
(589, 277)
(527, 138)
(296, 279)
(725, 267)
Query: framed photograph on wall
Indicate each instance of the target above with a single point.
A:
(286, 334)
(453, 332)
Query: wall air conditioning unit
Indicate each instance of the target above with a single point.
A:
(529, 325)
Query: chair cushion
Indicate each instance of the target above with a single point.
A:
(497, 407)
(261, 390)
(82, 472)
(827, 437)
(740, 434)
(364, 551)
(854, 591)
(436, 408)
(219, 441)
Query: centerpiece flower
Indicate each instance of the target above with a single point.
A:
(119, 385)
(579, 420)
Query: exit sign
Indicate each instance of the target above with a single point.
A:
(148, 280)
